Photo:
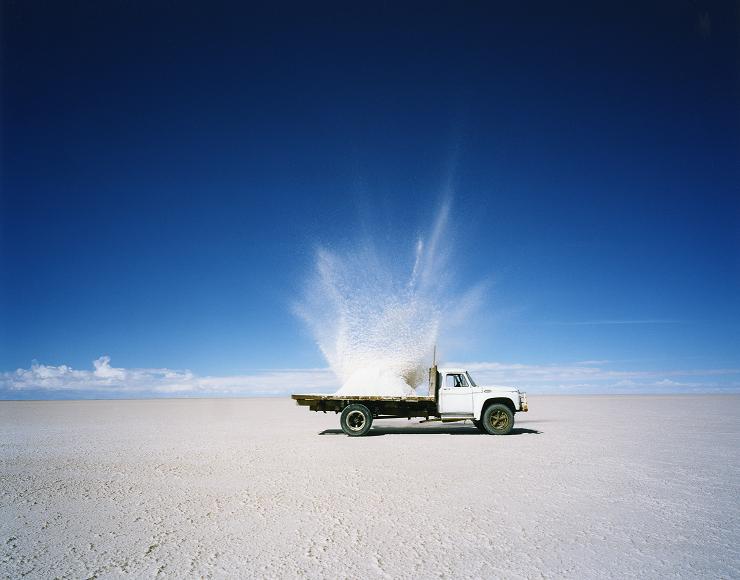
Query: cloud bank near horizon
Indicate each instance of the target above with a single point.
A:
(108, 381)
(42, 381)
(596, 377)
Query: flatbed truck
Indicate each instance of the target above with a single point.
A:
(453, 396)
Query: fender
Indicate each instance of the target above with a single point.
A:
(485, 396)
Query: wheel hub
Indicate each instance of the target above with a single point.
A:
(356, 421)
(499, 420)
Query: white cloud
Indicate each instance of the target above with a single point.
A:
(597, 377)
(103, 369)
(616, 321)
(105, 380)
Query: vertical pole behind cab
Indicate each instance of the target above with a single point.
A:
(433, 383)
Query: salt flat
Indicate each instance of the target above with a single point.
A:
(586, 487)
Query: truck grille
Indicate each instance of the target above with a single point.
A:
(523, 402)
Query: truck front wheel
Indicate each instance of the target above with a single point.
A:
(498, 420)
(356, 420)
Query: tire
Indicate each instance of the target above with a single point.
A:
(356, 420)
(479, 426)
(498, 420)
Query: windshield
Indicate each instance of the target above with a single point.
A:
(472, 382)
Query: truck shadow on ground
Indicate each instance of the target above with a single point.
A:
(420, 430)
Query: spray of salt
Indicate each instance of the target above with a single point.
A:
(375, 325)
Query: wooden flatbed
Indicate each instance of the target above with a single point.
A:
(381, 407)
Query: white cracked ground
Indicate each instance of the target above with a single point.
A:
(586, 487)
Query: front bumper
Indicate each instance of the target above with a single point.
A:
(523, 405)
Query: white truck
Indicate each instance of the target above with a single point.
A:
(453, 396)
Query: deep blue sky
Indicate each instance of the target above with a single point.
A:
(168, 169)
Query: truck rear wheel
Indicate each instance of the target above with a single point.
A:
(356, 420)
(498, 420)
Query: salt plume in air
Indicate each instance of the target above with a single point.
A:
(376, 317)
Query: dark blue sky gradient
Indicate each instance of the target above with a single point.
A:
(169, 167)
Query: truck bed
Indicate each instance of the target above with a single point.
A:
(409, 406)
(322, 397)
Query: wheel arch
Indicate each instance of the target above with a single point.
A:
(496, 401)
(369, 406)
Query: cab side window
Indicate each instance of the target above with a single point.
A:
(456, 381)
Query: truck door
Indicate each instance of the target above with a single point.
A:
(456, 395)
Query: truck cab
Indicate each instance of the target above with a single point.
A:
(460, 396)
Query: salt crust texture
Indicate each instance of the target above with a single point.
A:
(586, 487)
